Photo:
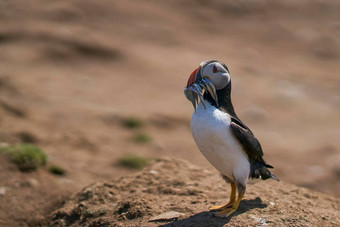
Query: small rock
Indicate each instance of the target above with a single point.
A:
(154, 172)
(30, 183)
(168, 216)
(262, 221)
(272, 203)
(65, 181)
(33, 183)
(2, 190)
(206, 171)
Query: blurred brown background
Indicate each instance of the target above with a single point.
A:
(72, 71)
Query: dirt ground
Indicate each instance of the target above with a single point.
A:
(71, 71)
(175, 185)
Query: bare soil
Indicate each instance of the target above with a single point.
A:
(72, 71)
(175, 185)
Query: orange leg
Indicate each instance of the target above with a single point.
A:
(230, 203)
(229, 210)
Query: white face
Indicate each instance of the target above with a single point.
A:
(217, 74)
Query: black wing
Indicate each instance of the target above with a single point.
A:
(248, 141)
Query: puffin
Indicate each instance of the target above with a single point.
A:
(224, 140)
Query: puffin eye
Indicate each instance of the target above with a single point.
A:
(214, 69)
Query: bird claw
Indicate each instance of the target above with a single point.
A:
(219, 208)
(225, 212)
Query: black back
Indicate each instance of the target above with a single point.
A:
(242, 133)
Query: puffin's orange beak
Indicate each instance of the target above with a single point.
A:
(195, 87)
(193, 77)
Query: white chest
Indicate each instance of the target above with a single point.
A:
(213, 136)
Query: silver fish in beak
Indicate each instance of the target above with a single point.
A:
(197, 85)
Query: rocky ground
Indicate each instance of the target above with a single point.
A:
(182, 192)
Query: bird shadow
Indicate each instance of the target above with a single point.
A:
(207, 218)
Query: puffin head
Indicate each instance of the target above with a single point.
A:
(210, 76)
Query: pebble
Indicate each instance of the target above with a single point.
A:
(154, 172)
(65, 181)
(30, 183)
(168, 216)
(2, 190)
(33, 182)
(262, 221)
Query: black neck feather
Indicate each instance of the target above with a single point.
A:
(224, 100)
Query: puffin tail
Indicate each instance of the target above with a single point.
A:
(269, 166)
(266, 174)
(259, 170)
(274, 177)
